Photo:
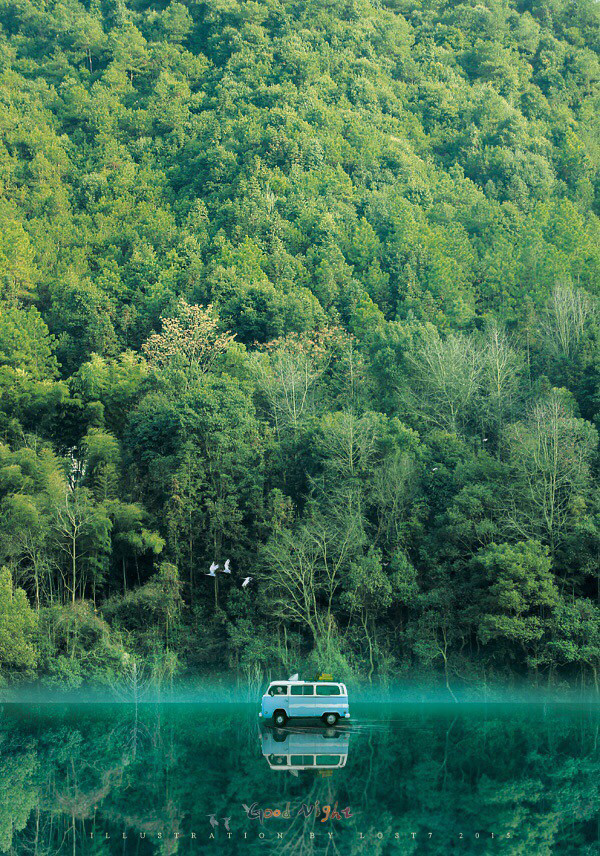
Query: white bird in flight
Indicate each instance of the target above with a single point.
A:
(227, 569)
(246, 581)
(213, 568)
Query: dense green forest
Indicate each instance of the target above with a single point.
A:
(313, 287)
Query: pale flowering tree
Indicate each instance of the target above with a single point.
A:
(189, 343)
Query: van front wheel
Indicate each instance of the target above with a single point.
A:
(330, 718)
(279, 718)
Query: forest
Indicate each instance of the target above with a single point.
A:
(312, 287)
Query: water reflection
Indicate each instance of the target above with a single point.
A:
(192, 779)
(294, 750)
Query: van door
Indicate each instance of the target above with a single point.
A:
(308, 700)
(301, 703)
(296, 693)
(279, 699)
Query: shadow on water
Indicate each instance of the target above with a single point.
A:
(166, 779)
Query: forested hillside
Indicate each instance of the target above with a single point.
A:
(313, 287)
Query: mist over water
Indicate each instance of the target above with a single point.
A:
(234, 689)
(411, 778)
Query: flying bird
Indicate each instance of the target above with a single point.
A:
(227, 569)
(213, 568)
(226, 823)
(246, 581)
(213, 820)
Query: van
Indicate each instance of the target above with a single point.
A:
(326, 700)
(315, 749)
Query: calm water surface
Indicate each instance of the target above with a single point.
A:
(166, 779)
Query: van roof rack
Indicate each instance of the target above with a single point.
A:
(324, 677)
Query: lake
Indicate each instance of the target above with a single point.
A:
(187, 778)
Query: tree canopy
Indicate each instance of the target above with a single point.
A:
(314, 288)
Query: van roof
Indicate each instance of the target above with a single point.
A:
(338, 683)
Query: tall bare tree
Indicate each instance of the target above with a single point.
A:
(550, 453)
(304, 571)
(81, 533)
(501, 369)
(568, 312)
(446, 377)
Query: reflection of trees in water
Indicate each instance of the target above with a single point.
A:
(65, 774)
(18, 792)
(298, 830)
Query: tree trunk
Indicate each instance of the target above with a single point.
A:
(74, 567)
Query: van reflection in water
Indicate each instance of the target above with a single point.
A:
(321, 749)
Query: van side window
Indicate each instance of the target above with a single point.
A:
(327, 689)
(327, 760)
(296, 690)
(309, 690)
(277, 690)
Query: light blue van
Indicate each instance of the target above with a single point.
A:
(289, 699)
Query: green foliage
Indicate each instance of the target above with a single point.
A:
(312, 288)
(18, 623)
(77, 646)
(518, 589)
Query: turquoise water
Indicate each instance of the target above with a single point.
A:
(166, 779)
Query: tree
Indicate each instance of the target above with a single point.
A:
(304, 570)
(287, 379)
(436, 629)
(102, 460)
(176, 22)
(573, 638)
(550, 454)
(26, 535)
(369, 593)
(446, 376)
(17, 629)
(568, 314)
(82, 532)
(517, 593)
(152, 611)
(188, 344)
(26, 344)
(348, 446)
(131, 539)
(501, 368)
